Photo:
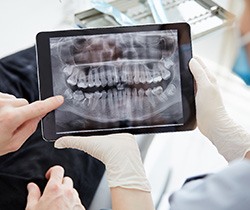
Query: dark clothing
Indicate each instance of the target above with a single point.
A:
(18, 76)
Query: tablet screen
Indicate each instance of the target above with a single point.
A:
(117, 81)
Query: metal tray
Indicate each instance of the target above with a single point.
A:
(203, 16)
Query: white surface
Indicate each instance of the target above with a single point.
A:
(20, 21)
(185, 153)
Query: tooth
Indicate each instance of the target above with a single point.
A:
(148, 76)
(115, 94)
(109, 76)
(134, 97)
(141, 92)
(142, 77)
(121, 96)
(168, 63)
(97, 79)
(157, 90)
(171, 89)
(82, 82)
(135, 102)
(116, 103)
(89, 96)
(110, 100)
(136, 73)
(68, 94)
(120, 86)
(149, 93)
(157, 77)
(128, 94)
(115, 75)
(127, 101)
(95, 99)
(141, 97)
(129, 74)
(130, 77)
(72, 79)
(68, 70)
(91, 79)
(103, 100)
(165, 73)
(162, 97)
(124, 74)
(103, 77)
(78, 95)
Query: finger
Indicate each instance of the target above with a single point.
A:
(73, 142)
(55, 175)
(25, 131)
(38, 108)
(198, 72)
(6, 95)
(209, 73)
(91, 144)
(34, 195)
(68, 182)
(15, 102)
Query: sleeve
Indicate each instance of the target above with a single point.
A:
(228, 189)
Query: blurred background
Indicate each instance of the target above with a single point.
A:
(171, 157)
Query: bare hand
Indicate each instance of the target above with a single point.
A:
(19, 119)
(59, 193)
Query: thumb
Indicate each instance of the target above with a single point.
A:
(96, 146)
(93, 145)
(81, 143)
(34, 195)
(200, 71)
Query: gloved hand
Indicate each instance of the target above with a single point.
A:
(119, 153)
(231, 140)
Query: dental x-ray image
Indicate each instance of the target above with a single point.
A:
(117, 80)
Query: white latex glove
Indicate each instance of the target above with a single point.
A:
(231, 140)
(119, 153)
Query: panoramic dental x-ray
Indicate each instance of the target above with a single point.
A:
(117, 80)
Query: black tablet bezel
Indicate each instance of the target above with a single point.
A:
(187, 81)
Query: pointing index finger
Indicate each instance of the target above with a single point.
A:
(38, 108)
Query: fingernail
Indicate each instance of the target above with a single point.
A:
(60, 98)
(29, 186)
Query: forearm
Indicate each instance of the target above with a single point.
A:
(231, 140)
(132, 199)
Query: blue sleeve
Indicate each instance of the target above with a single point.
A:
(228, 189)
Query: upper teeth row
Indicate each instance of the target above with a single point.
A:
(111, 75)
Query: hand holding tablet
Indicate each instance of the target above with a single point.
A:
(119, 79)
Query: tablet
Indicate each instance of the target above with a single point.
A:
(117, 79)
